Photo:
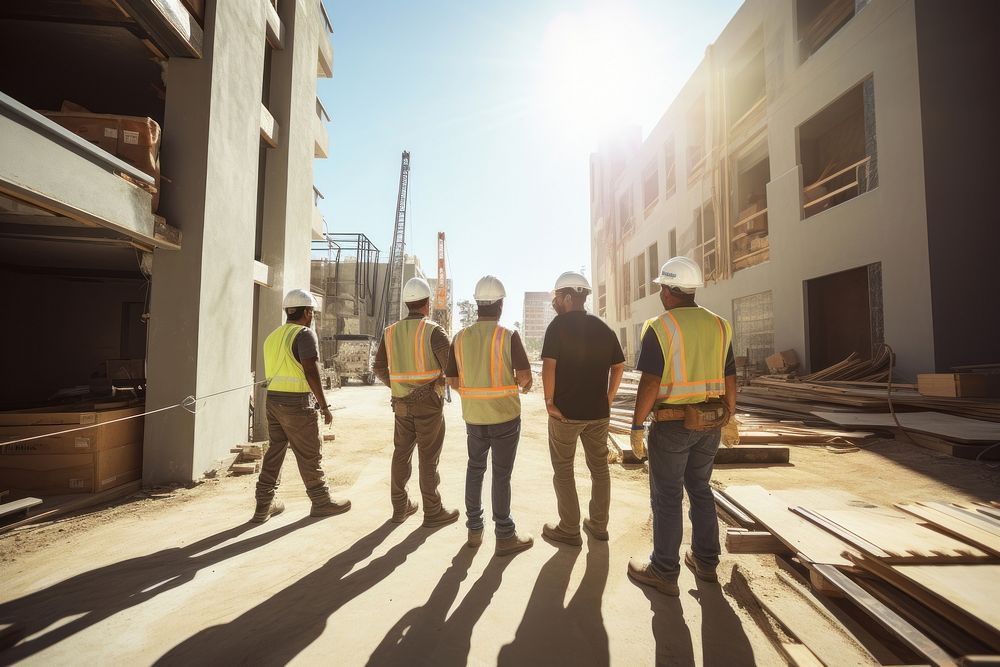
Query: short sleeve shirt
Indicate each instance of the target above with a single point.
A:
(585, 349)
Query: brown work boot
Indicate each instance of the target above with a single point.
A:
(442, 518)
(701, 571)
(330, 507)
(552, 531)
(475, 538)
(511, 545)
(266, 509)
(641, 572)
(598, 534)
(404, 514)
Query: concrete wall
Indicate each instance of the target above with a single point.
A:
(887, 224)
(959, 67)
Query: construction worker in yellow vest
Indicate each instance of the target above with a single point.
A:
(411, 360)
(487, 365)
(688, 388)
(291, 366)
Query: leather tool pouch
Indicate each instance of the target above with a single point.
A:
(705, 416)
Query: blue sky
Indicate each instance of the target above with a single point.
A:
(500, 105)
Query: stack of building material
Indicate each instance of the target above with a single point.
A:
(931, 585)
(104, 454)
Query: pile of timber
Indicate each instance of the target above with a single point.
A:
(865, 408)
(927, 573)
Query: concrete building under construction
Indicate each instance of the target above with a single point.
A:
(170, 264)
(828, 164)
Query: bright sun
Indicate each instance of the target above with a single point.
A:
(596, 67)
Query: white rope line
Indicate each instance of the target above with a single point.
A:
(190, 403)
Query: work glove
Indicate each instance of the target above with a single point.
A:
(638, 441)
(731, 433)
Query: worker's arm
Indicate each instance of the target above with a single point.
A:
(311, 369)
(614, 380)
(645, 398)
(549, 387)
(730, 396)
(522, 367)
(381, 364)
(524, 380)
(451, 369)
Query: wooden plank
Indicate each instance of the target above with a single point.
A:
(965, 594)
(743, 541)
(952, 427)
(812, 543)
(729, 507)
(887, 618)
(19, 506)
(78, 504)
(893, 537)
(969, 517)
(743, 454)
(957, 527)
(800, 655)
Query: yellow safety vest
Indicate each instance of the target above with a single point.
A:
(694, 342)
(280, 366)
(486, 375)
(411, 358)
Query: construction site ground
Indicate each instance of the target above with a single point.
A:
(178, 576)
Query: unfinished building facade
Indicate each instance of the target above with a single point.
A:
(817, 166)
(156, 202)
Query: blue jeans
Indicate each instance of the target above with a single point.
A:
(681, 459)
(502, 440)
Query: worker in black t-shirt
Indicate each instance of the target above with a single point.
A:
(582, 366)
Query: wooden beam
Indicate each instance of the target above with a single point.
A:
(743, 541)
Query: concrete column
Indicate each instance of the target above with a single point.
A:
(288, 188)
(202, 295)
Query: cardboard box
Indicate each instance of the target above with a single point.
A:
(133, 139)
(964, 385)
(98, 436)
(56, 474)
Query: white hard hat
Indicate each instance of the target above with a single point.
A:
(682, 273)
(298, 298)
(573, 281)
(416, 289)
(488, 290)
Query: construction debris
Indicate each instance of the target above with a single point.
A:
(930, 586)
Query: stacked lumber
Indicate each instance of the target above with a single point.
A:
(928, 573)
(855, 368)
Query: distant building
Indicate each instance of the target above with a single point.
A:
(537, 315)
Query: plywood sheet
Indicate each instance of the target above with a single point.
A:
(810, 541)
(901, 538)
(974, 589)
(952, 427)
(953, 526)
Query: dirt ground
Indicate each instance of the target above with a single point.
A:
(177, 576)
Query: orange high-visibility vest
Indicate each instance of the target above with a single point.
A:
(411, 358)
(486, 375)
(694, 342)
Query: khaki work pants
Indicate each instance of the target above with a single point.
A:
(419, 424)
(562, 450)
(296, 426)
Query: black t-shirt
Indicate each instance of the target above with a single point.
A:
(584, 348)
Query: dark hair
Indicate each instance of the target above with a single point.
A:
(489, 310)
(294, 314)
(579, 298)
(417, 305)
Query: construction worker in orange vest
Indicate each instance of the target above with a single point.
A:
(291, 366)
(411, 360)
(688, 385)
(488, 363)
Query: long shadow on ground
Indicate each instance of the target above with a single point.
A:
(103, 592)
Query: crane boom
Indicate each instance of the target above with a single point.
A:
(394, 280)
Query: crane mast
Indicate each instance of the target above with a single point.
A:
(442, 314)
(394, 280)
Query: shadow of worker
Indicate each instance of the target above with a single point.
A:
(671, 635)
(723, 639)
(105, 591)
(550, 633)
(278, 629)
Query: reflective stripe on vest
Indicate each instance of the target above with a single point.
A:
(282, 370)
(411, 358)
(694, 342)
(486, 375)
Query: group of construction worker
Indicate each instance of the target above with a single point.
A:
(687, 390)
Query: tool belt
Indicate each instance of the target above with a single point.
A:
(705, 416)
